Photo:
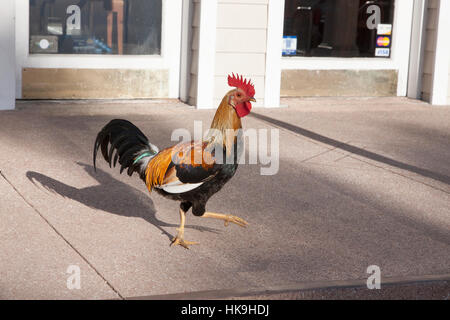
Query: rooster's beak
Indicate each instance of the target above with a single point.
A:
(252, 100)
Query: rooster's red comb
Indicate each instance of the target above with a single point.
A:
(241, 83)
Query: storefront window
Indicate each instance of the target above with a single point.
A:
(130, 27)
(338, 28)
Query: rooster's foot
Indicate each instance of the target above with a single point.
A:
(236, 220)
(182, 242)
(179, 240)
(227, 218)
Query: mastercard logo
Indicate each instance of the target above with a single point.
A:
(383, 41)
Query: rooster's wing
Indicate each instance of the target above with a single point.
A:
(182, 168)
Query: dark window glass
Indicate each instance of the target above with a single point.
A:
(95, 26)
(338, 28)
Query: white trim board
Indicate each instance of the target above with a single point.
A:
(7, 56)
(169, 58)
(186, 52)
(206, 54)
(440, 92)
(275, 24)
(417, 49)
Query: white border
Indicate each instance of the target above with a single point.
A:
(417, 49)
(7, 56)
(440, 92)
(169, 58)
(206, 54)
(272, 85)
(398, 61)
(186, 52)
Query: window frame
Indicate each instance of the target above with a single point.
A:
(168, 59)
(399, 60)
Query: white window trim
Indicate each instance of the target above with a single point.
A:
(186, 52)
(7, 56)
(399, 60)
(169, 58)
(206, 54)
(418, 40)
(274, 51)
(441, 65)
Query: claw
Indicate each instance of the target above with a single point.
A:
(180, 241)
(236, 220)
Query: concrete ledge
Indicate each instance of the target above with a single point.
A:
(334, 83)
(45, 83)
(398, 288)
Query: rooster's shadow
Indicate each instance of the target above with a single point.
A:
(110, 195)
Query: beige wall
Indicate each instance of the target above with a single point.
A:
(430, 48)
(241, 44)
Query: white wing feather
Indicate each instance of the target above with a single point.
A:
(179, 187)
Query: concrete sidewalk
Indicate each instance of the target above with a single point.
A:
(361, 182)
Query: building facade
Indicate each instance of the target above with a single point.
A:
(141, 49)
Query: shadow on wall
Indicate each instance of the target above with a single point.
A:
(111, 195)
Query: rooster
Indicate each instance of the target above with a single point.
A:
(189, 172)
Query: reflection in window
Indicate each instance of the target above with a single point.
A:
(131, 27)
(335, 28)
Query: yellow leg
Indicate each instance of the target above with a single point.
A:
(179, 239)
(227, 218)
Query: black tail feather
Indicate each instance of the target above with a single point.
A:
(128, 143)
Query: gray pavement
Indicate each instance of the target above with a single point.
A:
(361, 182)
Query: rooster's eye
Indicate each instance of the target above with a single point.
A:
(238, 95)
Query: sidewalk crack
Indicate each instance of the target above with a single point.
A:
(62, 236)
